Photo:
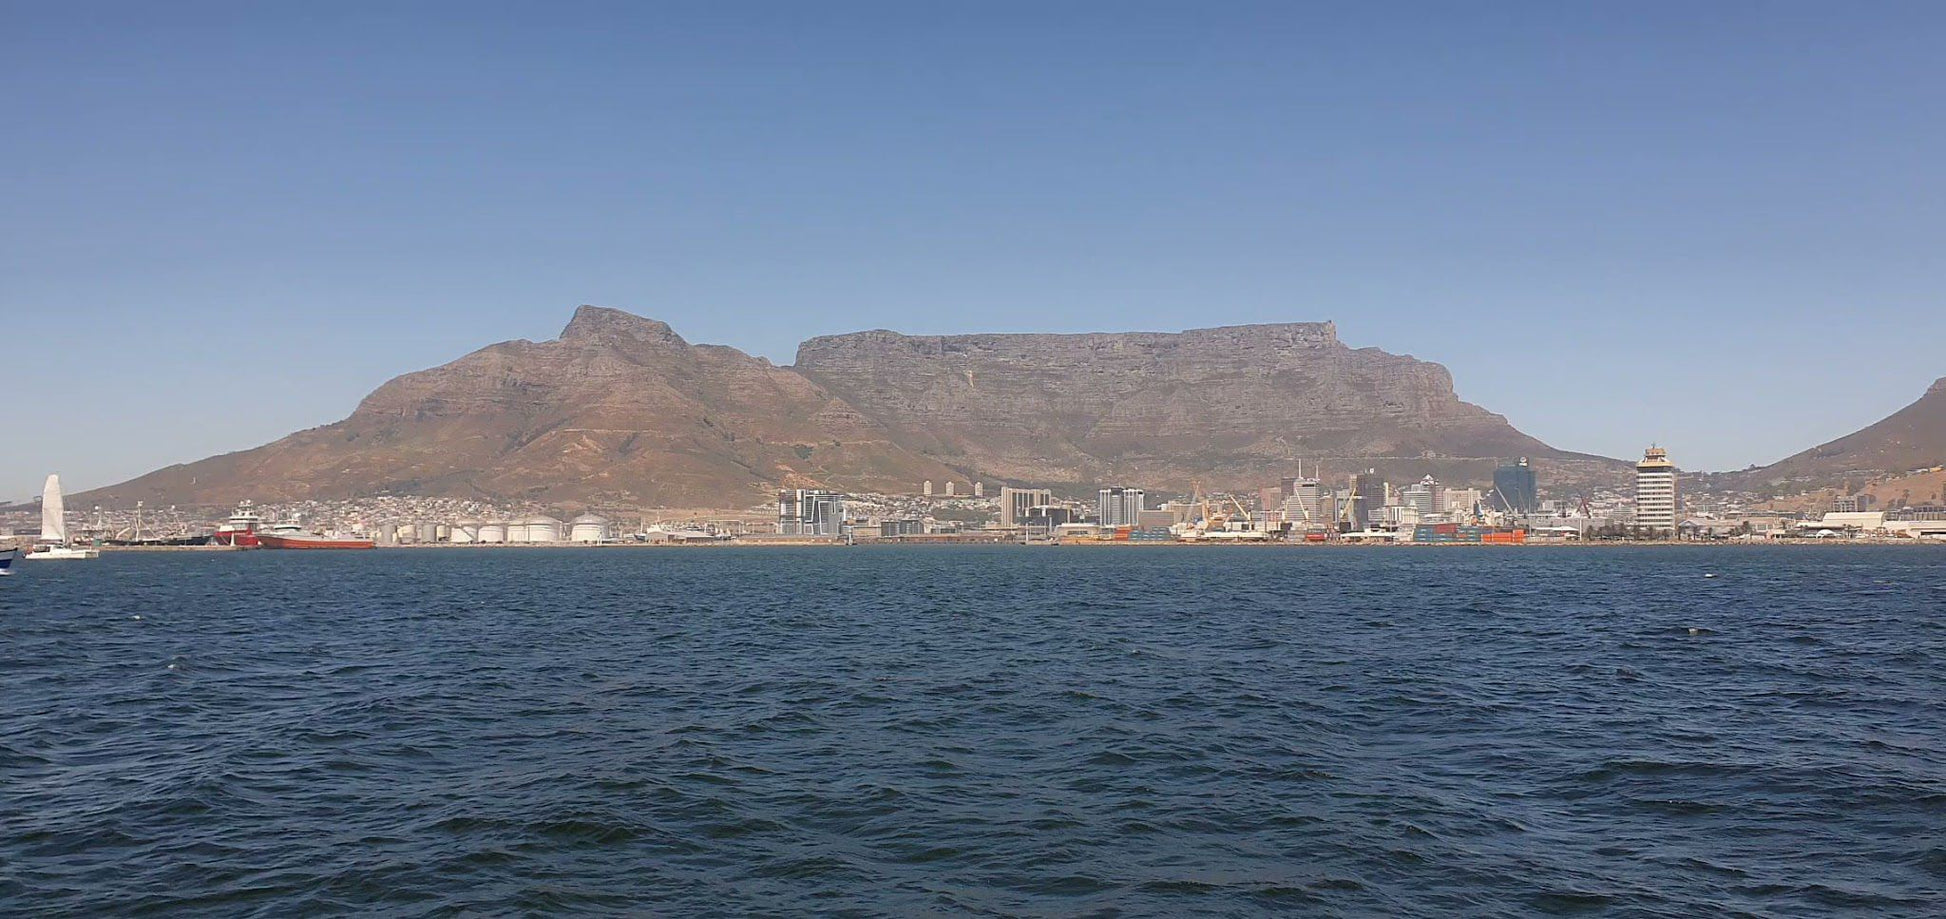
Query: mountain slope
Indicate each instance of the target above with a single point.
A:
(1913, 437)
(619, 409)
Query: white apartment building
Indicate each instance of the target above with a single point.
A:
(1655, 490)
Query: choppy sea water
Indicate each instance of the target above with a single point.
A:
(992, 731)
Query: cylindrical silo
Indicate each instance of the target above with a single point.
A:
(589, 528)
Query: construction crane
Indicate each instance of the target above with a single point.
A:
(1248, 521)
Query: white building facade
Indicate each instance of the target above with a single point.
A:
(1655, 491)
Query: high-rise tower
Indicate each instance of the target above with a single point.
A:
(1655, 491)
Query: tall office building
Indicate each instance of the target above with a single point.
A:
(1655, 490)
(1119, 507)
(809, 512)
(1308, 504)
(1367, 497)
(1515, 489)
(1017, 504)
(1425, 496)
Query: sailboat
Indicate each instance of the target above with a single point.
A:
(53, 545)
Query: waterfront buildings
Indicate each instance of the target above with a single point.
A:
(1655, 491)
(1159, 518)
(1423, 496)
(1852, 504)
(1461, 503)
(1017, 504)
(1368, 496)
(1308, 504)
(1119, 506)
(1515, 488)
(811, 512)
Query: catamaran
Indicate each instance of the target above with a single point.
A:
(53, 544)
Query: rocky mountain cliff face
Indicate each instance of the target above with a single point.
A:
(1230, 406)
(1911, 438)
(622, 410)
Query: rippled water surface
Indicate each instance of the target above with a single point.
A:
(998, 731)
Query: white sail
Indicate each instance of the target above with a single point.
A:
(54, 516)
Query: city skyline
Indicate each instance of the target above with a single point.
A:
(229, 226)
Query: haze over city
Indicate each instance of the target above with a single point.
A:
(1714, 228)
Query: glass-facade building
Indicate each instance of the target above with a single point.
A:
(1516, 489)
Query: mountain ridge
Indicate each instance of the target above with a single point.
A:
(621, 409)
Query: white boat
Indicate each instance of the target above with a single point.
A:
(7, 557)
(53, 544)
(61, 553)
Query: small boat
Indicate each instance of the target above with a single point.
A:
(61, 553)
(7, 557)
(293, 536)
(53, 544)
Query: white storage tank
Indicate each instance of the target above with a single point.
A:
(542, 528)
(428, 532)
(493, 532)
(517, 531)
(588, 528)
(466, 531)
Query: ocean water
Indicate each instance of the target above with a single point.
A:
(984, 731)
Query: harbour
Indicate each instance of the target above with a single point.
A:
(910, 729)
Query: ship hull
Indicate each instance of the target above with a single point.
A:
(61, 554)
(167, 541)
(313, 542)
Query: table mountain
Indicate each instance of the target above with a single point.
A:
(1234, 406)
(622, 410)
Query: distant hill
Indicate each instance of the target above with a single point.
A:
(621, 410)
(1911, 438)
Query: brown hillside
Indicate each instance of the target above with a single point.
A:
(622, 410)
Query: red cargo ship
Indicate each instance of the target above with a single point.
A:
(292, 536)
(314, 541)
(240, 530)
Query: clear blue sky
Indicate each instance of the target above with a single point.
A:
(1721, 226)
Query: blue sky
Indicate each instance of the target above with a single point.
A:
(1717, 226)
